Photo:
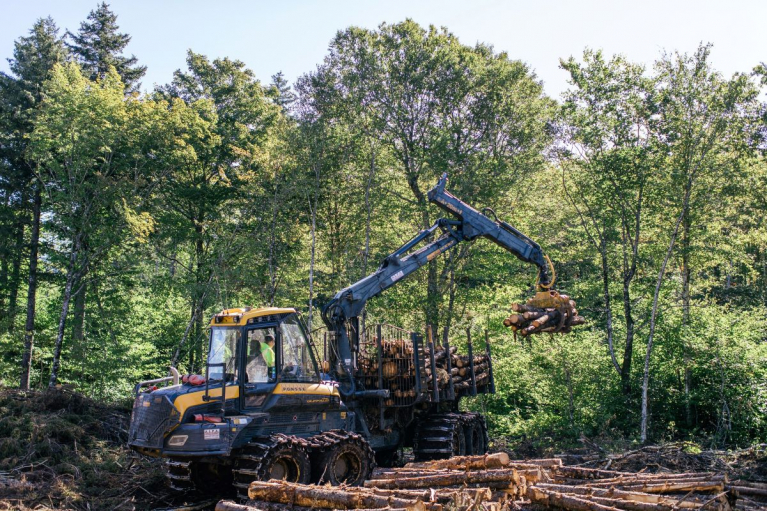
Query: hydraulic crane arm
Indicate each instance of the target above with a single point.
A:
(475, 224)
(348, 304)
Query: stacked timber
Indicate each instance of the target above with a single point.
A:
(579, 488)
(458, 370)
(494, 482)
(402, 371)
(550, 313)
(494, 476)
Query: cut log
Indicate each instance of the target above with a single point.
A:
(646, 498)
(325, 497)
(564, 501)
(496, 460)
(228, 505)
(440, 495)
(542, 462)
(508, 477)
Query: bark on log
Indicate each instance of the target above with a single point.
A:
(541, 462)
(441, 496)
(588, 473)
(497, 460)
(565, 501)
(746, 490)
(672, 487)
(325, 497)
(508, 477)
(647, 498)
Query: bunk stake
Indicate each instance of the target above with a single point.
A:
(471, 364)
(489, 362)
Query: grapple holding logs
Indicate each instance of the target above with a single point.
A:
(546, 312)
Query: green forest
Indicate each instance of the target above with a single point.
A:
(129, 217)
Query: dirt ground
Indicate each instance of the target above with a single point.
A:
(60, 450)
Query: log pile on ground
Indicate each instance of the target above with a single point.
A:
(547, 312)
(495, 483)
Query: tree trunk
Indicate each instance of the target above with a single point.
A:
(15, 281)
(272, 249)
(29, 329)
(71, 277)
(654, 313)
(686, 317)
(313, 211)
(200, 289)
(628, 350)
(78, 321)
(608, 305)
(432, 287)
(368, 209)
(4, 256)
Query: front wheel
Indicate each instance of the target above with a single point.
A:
(287, 462)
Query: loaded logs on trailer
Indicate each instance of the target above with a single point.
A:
(493, 482)
(408, 368)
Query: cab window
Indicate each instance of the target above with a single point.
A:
(261, 355)
(223, 349)
(297, 364)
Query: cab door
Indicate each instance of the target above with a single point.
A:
(260, 363)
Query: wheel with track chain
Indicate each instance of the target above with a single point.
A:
(349, 461)
(280, 457)
(440, 436)
(476, 434)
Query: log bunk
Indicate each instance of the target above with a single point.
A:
(494, 482)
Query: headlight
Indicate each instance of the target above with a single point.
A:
(177, 440)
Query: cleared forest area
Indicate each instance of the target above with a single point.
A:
(130, 217)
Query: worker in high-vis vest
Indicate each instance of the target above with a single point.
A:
(267, 353)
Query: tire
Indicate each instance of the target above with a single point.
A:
(349, 462)
(475, 438)
(459, 440)
(287, 462)
(439, 437)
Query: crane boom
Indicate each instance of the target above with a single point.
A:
(346, 306)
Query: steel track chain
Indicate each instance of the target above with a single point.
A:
(251, 463)
(178, 475)
(442, 435)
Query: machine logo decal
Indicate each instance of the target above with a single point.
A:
(294, 388)
(397, 276)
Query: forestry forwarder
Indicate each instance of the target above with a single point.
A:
(276, 417)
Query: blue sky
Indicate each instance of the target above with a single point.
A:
(292, 36)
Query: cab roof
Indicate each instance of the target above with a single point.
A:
(239, 316)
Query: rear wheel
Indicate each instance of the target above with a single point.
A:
(475, 437)
(440, 436)
(348, 462)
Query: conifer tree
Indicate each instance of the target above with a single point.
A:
(281, 91)
(98, 45)
(33, 59)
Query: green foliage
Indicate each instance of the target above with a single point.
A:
(217, 191)
(98, 46)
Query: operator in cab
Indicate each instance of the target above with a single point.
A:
(261, 365)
